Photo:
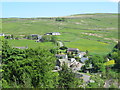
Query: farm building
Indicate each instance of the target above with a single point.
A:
(53, 33)
(39, 38)
(1, 34)
(81, 54)
(33, 36)
(60, 62)
(83, 59)
(76, 66)
(61, 56)
(8, 36)
(72, 50)
(21, 47)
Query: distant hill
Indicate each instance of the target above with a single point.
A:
(97, 33)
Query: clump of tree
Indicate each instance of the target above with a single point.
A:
(60, 19)
(63, 48)
(115, 56)
(54, 51)
(48, 38)
(33, 68)
(32, 37)
(97, 63)
(30, 68)
(68, 78)
(54, 39)
(9, 37)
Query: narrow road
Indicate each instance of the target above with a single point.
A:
(86, 78)
(60, 43)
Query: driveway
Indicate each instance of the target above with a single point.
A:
(60, 43)
(85, 77)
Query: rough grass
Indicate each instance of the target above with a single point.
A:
(105, 25)
(30, 44)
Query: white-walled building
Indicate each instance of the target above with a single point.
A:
(53, 33)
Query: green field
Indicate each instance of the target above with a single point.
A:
(74, 31)
(30, 44)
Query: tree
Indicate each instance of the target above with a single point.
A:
(115, 55)
(60, 19)
(54, 39)
(46, 38)
(53, 51)
(97, 63)
(63, 48)
(67, 78)
(28, 68)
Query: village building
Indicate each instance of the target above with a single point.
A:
(53, 33)
(72, 59)
(61, 56)
(81, 54)
(72, 50)
(75, 65)
(83, 59)
(7, 35)
(39, 38)
(61, 62)
(34, 35)
(2, 34)
(21, 47)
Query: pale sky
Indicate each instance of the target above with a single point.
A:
(60, 0)
(51, 8)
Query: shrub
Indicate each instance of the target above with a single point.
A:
(63, 48)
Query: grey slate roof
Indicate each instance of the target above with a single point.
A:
(83, 59)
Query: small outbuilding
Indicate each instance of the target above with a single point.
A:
(2, 34)
(72, 50)
(61, 56)
(53, 33)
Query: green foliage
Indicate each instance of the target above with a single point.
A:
(97, 63)
(32, 37)
(115, 55)
(28, 68)
(54, 39)
(111, 74)
(5, 84)
(7, 37)
(99, 83)
(54, 51)
(63, 48)
(67, 78)
(46, 38)
(60, 19)
(77, 58)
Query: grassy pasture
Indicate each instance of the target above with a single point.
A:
(30, 44)
(104, 25)
(94, 47)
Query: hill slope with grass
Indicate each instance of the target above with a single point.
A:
(97, 33)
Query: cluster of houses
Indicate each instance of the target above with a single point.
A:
(31, 36)
(71, 62)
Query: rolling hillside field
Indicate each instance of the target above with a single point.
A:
(97, 33)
